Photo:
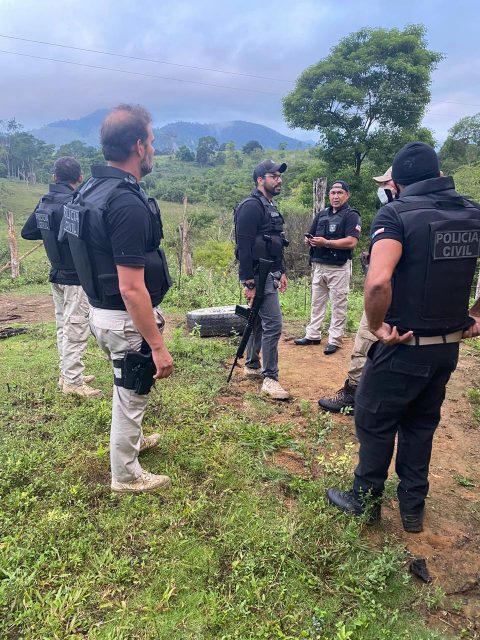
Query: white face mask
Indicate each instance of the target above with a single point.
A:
(385, 195)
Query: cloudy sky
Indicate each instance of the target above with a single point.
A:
(246, 55)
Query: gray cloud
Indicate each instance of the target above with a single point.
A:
(277, 40)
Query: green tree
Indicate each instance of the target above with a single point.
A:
(462, 146)
(251, 146)
(184, 154)
(373, 85)
(206, 150)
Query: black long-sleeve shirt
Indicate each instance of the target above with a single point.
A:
(249, 218)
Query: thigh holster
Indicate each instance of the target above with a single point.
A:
(137, 371)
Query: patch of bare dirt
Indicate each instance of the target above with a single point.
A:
(26, 309)
(450, 542)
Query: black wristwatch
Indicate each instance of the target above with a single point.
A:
(249, 285)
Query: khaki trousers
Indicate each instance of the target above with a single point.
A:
(71, 318)
(329, 281)
(116, 334)
(363, 341)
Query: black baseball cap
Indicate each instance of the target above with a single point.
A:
(342, 183)
(414, 162)
(268, 166)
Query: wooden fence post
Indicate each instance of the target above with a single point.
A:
(186, 256)
(319, 193)
(12, 241)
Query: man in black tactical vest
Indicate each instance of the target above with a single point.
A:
(344, 398)
(424, 251)
(70, 301)
(259, 235)
(332, 237)
(114, 232)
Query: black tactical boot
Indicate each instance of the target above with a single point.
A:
(345, 397)
(347, 501)
(412, 522)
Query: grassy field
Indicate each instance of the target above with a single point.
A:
(238, 549)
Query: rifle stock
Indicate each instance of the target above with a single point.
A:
(263, 271)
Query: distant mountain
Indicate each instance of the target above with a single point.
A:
(61, 132)
(171, 136)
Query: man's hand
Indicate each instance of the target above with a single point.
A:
(163, 362)
(390, 336)
(283, 283)
(474, 330)
(317, 241)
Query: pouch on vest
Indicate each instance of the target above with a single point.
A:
(44, 216)
(73, 227)
(453, 252)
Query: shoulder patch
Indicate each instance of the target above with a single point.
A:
(377, 232)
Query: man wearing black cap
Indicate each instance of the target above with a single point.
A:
(424, 251)
(332, 237)
(259, 234)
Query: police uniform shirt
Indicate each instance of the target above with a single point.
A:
(249, 217)
(352, 223)
(130, 230)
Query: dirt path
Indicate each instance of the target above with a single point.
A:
(25, 309)
(450, 542)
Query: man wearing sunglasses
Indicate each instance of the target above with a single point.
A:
(259, 235)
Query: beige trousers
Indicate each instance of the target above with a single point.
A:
(71, 318)
(329, 281)
(363, 341)
(116, 334)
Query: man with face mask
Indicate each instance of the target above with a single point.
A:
(259, 235)
(344, 398)
(114, 232)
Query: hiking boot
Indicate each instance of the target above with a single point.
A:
(344, 397)
(272, 388)
(347, 501)
(306, 342)
(412, 522)
(86, 379)
(146, 482)
(81, 390)
(149, 442)
(252, 374)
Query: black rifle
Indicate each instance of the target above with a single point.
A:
(252, 313)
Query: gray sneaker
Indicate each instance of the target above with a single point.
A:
(252, 374)
(146, 482)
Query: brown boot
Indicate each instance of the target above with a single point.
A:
(81, 390)
(343, 399)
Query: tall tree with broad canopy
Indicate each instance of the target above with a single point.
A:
(371, 90)
(462, 147)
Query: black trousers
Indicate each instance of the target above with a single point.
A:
(401, 392)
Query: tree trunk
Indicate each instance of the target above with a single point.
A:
(12, 241)
(319, 192)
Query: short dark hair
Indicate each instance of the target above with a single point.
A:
(67, 169)
(121, 129)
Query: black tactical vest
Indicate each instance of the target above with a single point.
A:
(270, 238)
(433, 279)
(83, 223)
(332, 227)
(48, 216)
